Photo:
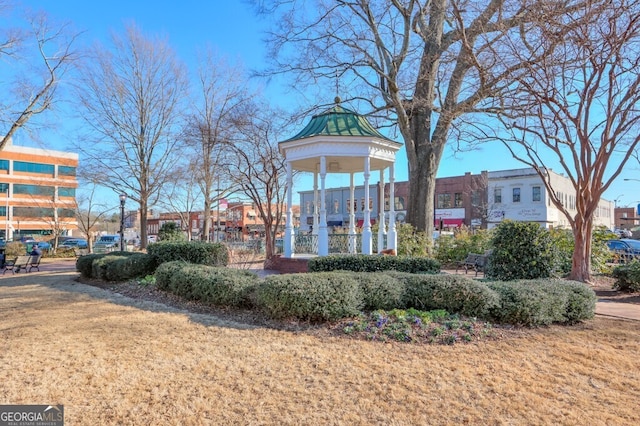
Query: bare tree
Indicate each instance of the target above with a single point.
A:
(90, 213)
(181, 194)
(210, 129)
(130, 98)
(259, 169)
(580, 109)
(427, 63)
(38, 56)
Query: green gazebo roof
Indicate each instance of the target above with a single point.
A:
(337, 121)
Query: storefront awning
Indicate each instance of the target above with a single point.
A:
(451, 223)
(361, 222)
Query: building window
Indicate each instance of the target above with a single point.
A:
(444, 201)
(497, 195)
(475, 198)
(19, 188)
(66, 192)
(516, 195)
(3, 211)
(457, 199)
(66, 171)
(66, 213)
(399, 203)
(4, 188)
(4, 164)
(22, 166)
(38, 212)
(536, 193)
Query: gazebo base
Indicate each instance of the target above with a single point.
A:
(288, 265)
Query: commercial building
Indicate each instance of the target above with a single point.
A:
(478, 201)
(39, 190)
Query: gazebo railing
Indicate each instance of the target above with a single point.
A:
(306, 244)
(338, 243)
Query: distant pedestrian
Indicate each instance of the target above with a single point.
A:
(35, 251)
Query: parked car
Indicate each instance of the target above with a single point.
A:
(624, 250)
(623, 233)
(30, 241)
(74, 243)
(107, 243)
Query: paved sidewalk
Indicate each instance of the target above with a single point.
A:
(618, 310)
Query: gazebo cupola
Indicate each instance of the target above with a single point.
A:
(340, 141)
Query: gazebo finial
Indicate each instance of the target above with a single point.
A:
(337, 100)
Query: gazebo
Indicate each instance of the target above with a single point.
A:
(340, 141)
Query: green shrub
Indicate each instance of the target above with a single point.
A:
(317, 296)
(564, 243)
(199, 252)
(380, 291)
(411, 242)
(372, 263)
(627, 277)
(14, 248)
(451, 249)
(521, 250)
(208, 284)
(453, 293)
(84, 264)
(542, 302)
(223, 286)
(140, 265)
(581, 304)
(170, 231)
(127, 267)
(166, 271)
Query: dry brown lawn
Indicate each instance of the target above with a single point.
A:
(114, 361)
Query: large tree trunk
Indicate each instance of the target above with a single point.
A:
(143, 223)
(581, 261)
(423, 169)
(206, 217)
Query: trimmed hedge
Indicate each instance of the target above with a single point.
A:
(542, 302)
(116, 266)
(198, 252)
(627, 277)
(208, 284)
(84, 264)
(373, 263)
(319, 296)
(379, 291)
(453, 293)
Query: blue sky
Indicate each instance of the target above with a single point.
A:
(231, 27)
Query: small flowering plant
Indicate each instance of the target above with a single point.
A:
(412, 325)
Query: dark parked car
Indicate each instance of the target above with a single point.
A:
(625, 249)
(74, 243)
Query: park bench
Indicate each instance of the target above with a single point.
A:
(27, 263)
(474, 261)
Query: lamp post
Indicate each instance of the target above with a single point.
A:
(123, 199)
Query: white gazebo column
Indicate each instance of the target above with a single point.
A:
(316, 210)
(352, 217)
(366, 227)
(392, 236)
(381, 226)
(323, 233)
(288, 229)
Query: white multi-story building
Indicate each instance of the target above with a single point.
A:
(521, 195)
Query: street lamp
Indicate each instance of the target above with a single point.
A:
(123, 199)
